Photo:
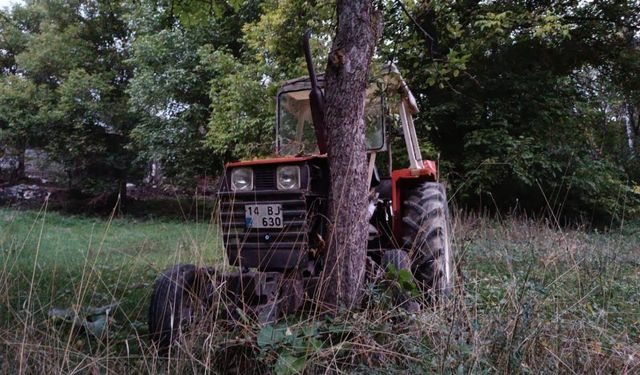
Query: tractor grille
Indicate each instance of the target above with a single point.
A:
(265, 178)
(272, 248)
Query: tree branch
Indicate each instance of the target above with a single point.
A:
(404, 9)
(430, 39)
(600, 19)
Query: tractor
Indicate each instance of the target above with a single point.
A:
(273, 215)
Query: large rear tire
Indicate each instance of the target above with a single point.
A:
(174, 305)
(426, 237)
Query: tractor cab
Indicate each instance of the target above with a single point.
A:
(295, 132)
(388, 102)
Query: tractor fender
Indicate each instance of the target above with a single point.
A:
(404, 179)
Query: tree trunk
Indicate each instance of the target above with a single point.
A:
(122, 191)
(630, 127)
(358, 29)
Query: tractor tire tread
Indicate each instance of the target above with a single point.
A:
(167, 299)
(426, 215)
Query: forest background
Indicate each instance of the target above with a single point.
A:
(527, 105)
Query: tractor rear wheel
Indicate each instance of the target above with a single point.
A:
(174, 305)
(426, 237)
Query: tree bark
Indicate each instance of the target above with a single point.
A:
(630, 128)
(359, 26)
(122, 191)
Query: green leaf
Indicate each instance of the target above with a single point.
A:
(270, 335)
(317, 345)
(289, 364)
(405, 276)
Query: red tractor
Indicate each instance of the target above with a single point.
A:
(273, 214)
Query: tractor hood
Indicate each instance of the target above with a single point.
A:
(276, 160)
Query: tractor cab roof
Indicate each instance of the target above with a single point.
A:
(387, 77)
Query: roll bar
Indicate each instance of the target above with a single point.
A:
(316, 99)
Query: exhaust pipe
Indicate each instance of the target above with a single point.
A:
(316, 98)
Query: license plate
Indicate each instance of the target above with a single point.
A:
(263, 215)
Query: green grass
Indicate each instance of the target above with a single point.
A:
(48, 260)
(530, 298)
(555, 300)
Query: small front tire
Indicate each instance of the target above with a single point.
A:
(174, 303)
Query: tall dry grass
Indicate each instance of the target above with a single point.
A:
(530, 298)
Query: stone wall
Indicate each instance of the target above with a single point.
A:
(39, 168)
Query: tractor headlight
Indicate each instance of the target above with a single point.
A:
(288, 177)
(242, 179)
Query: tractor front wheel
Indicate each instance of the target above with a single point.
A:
(426, 237)
(174, 305)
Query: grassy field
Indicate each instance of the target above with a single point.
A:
(53, 265)
(530, 298)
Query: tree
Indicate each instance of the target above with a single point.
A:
(189, 85)
(500, 89)
(66, 75)
(358, 29)
(19, 97)
(20, 118)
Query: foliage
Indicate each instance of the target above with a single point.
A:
(172, 95)
(526, 104)
(243, 103)
(20, 113)
(69, 56)
(501, 87)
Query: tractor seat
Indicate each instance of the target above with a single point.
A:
(383, 188)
